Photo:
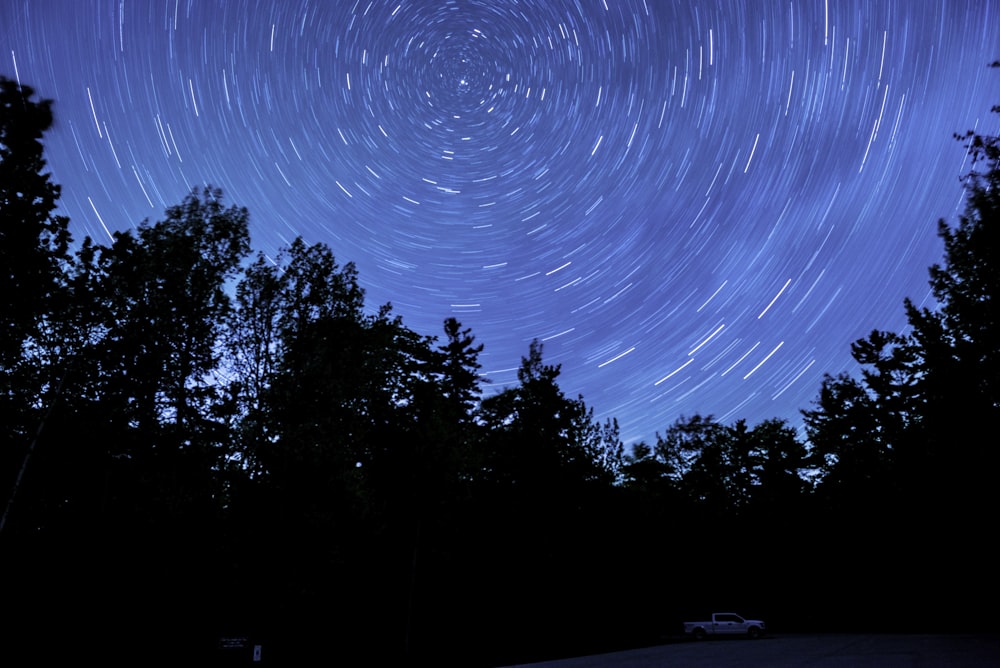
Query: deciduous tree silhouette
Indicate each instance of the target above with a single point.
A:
(34, 240)
(34, 244)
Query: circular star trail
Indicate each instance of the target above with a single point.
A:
(694, 206)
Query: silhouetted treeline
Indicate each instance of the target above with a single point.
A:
(200, 442)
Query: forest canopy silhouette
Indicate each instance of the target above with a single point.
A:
(200, 441)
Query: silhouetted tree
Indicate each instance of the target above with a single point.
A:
(301, 341)
(460, 367)
(957, 342)
(34, 245)
(542, 494)
(847, 450)
(780, 464)
(163, 297)
(905, 455)
(713, 464)
(536, 432)
(253, 347)
(927, 398)
(34, 241)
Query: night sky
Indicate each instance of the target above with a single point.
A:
(695, 205)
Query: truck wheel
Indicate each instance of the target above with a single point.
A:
(699, 634)
(753, 632)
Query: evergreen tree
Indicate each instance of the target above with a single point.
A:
(847, 450)
(926, 399)
(460, 367)
(536, 433)
(958, 341)
(906, 456)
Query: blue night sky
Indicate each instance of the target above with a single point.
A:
(695, 205)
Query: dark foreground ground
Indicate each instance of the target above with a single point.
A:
(806, 651)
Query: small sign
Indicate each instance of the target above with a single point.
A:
(232, 643)
(256, 653)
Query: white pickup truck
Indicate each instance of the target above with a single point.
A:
(725, 624)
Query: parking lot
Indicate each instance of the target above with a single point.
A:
(802, 651)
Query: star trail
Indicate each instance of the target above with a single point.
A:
(695, 206)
